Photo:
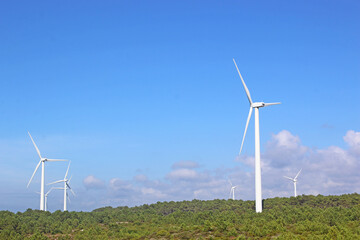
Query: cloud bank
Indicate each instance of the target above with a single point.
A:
(332, 170)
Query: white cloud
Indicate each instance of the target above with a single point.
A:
(185, 164)
(353, 139)
(153, 192)
(91, 182)
(140, 178)
(182, 174)
(284, 149)
(121, 188)
(332, 170)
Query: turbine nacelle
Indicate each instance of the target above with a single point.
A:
(262, 104)
(258, 104)
(291, 179)
(52, 160)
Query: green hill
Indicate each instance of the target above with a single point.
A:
(303, 217)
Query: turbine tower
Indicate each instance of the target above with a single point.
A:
(46, 195)
(42, 162)
(255, 106)
(66, 187)
(294, 181)
(232, 190)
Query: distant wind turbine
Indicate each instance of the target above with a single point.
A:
(46, 195)
(256, 106)
(232, 190)
(66, 186)
(294, 181)
(42, 162)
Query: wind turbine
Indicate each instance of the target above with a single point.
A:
(46, 195)
(42, 162)
(294, 181)
(66, 186)
(232, 190)
(256, 106)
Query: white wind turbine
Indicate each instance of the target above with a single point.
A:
(232, 190)
(66, 187)
(294, 181)
(256, 106)
(42, 162)
(46, 195)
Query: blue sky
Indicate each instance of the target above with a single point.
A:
(143, 95)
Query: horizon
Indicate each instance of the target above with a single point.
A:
(154, 203)
(145, 101)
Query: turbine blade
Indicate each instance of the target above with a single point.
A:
(229, 181)
(289, 178)
(70, 179)
(59, 181)
(246, 89)
(297, 174)
(34, 173)
(269, 104)
(70, 188)
(67, 170)
(38, 151)
(49, 191)
(247, 124)
(72, 192)
(56, 160)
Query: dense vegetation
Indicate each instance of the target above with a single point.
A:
(303, 217)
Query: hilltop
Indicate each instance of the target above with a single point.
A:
(316, 217)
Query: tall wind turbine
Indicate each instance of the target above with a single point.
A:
(232, 190)
(66, 187)
(294, 181)
(42, 162)
(256, 106)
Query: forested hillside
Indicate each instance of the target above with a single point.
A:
(303, 217)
